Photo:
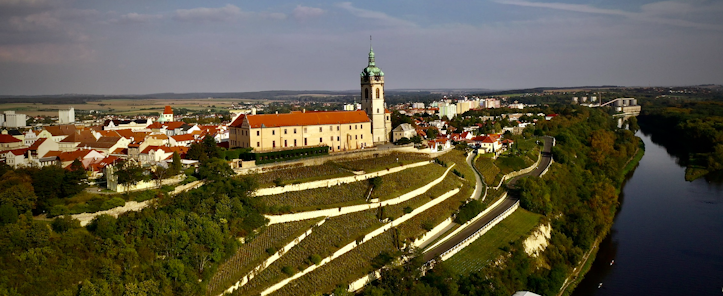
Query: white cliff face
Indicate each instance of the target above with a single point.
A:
(537, 242)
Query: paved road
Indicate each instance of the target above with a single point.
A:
(503, 206)
(469, 230)
(546, 159)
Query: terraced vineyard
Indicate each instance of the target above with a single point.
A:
(345, 269)
(392, 185)
(384, 162)
(250, 254)
(340, 231)
(324, 240)
(299, 174)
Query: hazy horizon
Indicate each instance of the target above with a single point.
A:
(139, 47)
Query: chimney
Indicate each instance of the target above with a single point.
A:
(303, 110)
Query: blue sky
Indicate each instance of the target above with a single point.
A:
(136, 47)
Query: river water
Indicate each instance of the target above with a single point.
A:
(667, 238)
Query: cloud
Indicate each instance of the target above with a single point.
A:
(379, 17)
(46, 53)
(303, 13)
(228, 13)
(139, 18)
(666, 12)
(204, 14)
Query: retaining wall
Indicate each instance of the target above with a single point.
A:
(449, 253)
(245, 279)
(335, 181)
(366, 238)
(352, 209)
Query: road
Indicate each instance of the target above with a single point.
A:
(499, 209)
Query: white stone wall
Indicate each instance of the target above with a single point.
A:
(357, 208)
(335, 181)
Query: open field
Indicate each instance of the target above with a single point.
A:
(120, 106)
(489, 246)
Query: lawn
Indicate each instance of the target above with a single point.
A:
(489, 246)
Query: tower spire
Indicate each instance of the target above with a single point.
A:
(371, 53)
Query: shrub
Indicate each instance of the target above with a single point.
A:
(408, 209)
(112, 203)
(58, 210)
(427, 225)
(65, 223)
(316, 259)
(271, 251)
(288, 270)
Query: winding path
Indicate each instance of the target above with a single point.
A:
(502, 207)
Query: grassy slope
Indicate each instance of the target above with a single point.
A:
(488, 247)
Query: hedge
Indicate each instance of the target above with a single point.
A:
(285, 155)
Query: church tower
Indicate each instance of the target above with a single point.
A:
(372, 97)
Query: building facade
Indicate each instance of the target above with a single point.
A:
(66, 116)
(340, 130)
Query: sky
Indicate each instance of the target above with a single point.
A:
(153, 46)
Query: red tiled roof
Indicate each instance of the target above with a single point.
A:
(306, 118)
(53, 153)
(179, 149)
(182, 138)
(120, 151)
(37, 144)
(60, 130)
(17, 151)
(173, 125)
(81, 136)
(8, 139)
(168, 110)
(239, 121)
(155, 125)
(73, 155)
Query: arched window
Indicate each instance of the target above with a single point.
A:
(366, 93)
(377, 93)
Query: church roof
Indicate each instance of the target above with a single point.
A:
(306, 118)
(371, 69)
(168, 110)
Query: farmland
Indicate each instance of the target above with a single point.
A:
(121, 106)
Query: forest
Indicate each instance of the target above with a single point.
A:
(691, 129)
(578, 197)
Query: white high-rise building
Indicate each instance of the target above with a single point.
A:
(66, 116)
(15, 120)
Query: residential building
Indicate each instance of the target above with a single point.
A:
(404, 130)
(8, 142)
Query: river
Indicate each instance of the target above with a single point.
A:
(667, 238)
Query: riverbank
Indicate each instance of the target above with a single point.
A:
(581, 270)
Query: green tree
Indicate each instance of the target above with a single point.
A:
(432, 133)
(75, 179)
(129, 173)
(176, 164)
(215, 169)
